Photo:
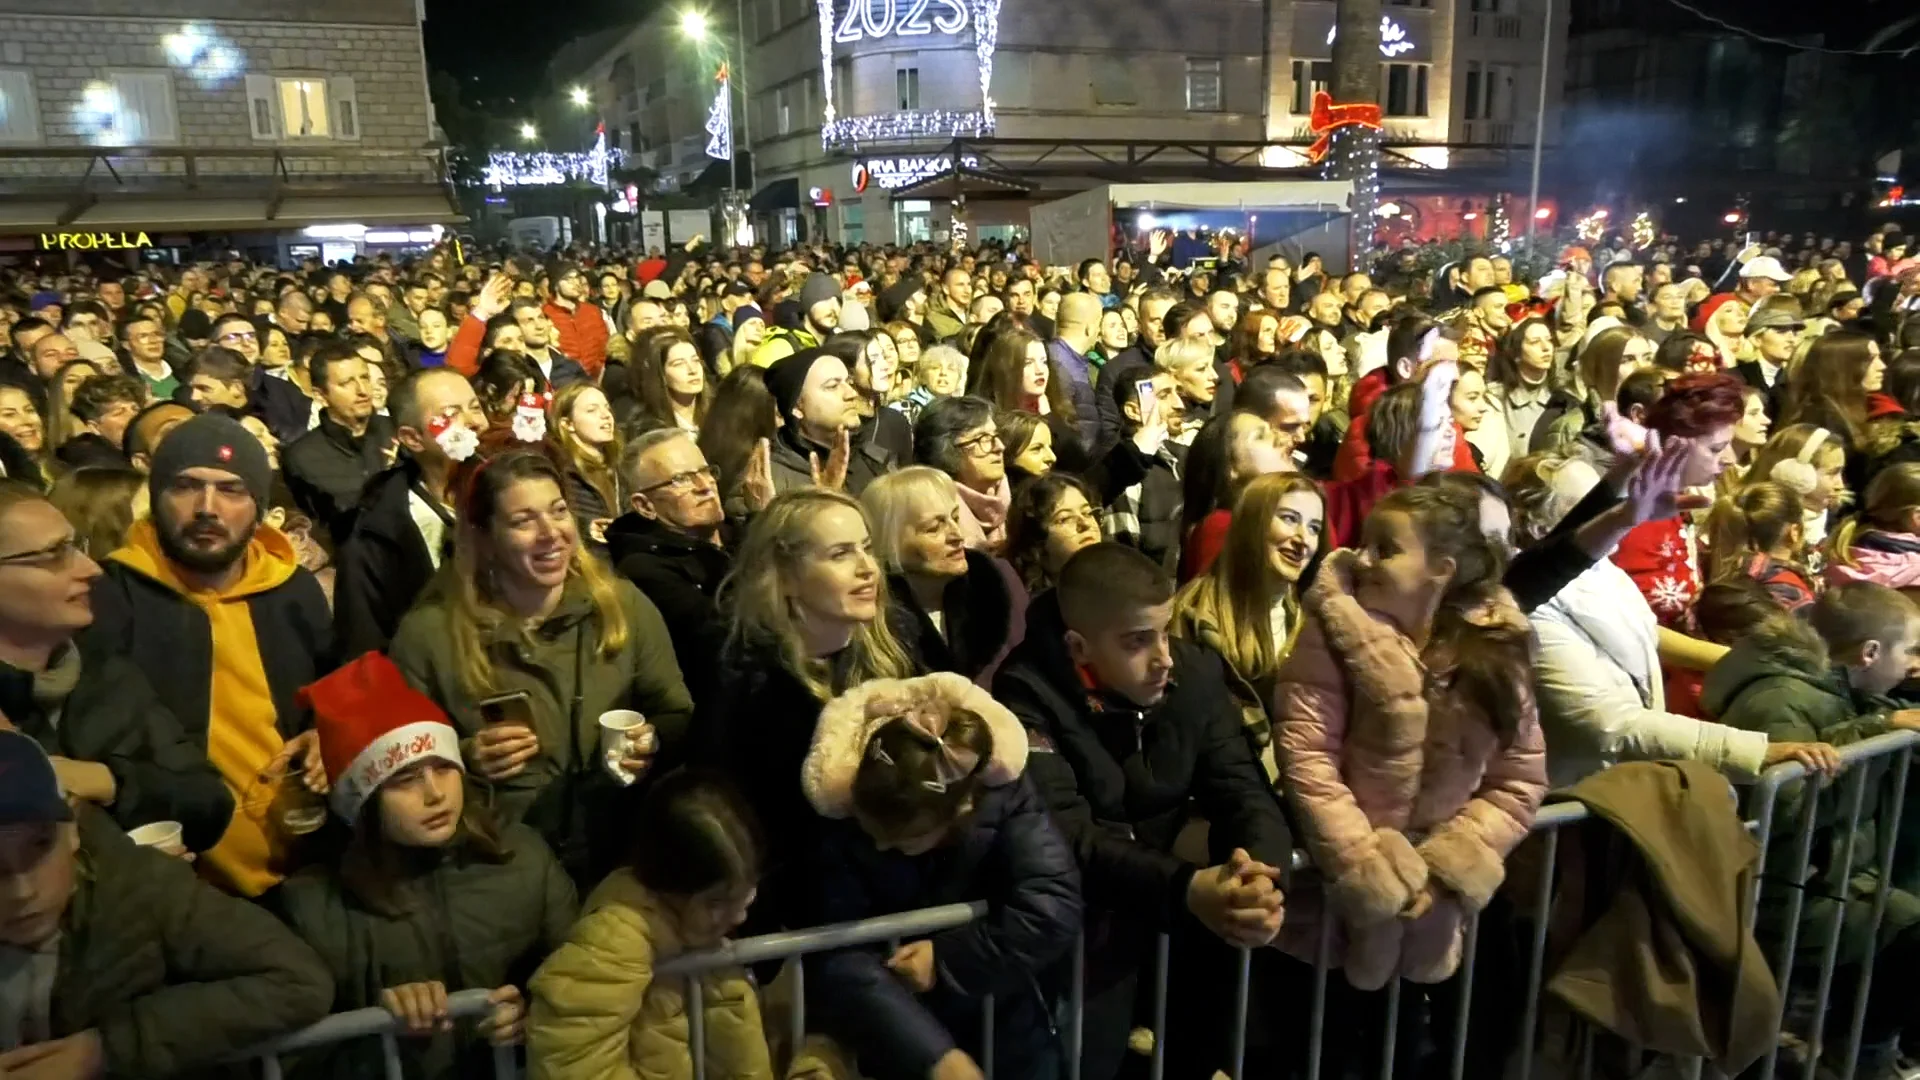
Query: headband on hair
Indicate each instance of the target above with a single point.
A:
(1798, 472)
(843, 736)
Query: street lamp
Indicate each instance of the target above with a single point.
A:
(580, 96)
(529, 132)
(694, 25)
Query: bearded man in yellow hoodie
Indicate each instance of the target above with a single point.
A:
(213, 605)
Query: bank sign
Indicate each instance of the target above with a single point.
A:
(899, 172)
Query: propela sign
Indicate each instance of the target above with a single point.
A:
(94, 241)
(898, 172)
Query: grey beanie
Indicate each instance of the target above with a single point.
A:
(211, 441)
(819, 289)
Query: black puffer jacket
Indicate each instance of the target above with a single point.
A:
(1121, 780)
(793, 468)
(984, 613)
(681, 574)
(327, 469)
(112, 717)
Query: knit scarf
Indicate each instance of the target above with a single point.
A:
(983, 516)
(52, 687)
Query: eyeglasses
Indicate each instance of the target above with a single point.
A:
(56, 557)
(987, 442)
(682, 482)
(238, 335)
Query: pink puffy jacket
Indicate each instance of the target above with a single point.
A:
(1398, 785)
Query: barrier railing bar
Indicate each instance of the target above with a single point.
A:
(1830, 955)
(1243, 985)
(1790, 944)
(270, 1068)
(986, 1036)
(1317, 1032)
(780, 946)
(1388, 1052)
(797, 1016)
(1766, 791)
(1586, 1052)
(1076, 1022)
(1889, 832)
(362, 1024)
(1463, 1016)
(390, 1056)
(1162, 948)
(697, 1027)
(1536, 983)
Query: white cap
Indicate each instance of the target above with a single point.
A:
(1765, 266)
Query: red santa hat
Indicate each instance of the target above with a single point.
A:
(372, 724)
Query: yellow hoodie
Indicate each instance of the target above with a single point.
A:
(242, 731)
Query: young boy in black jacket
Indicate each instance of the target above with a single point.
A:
(1129, 728)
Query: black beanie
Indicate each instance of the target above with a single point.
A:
(788, 376)
(893, 302)
(211, 441)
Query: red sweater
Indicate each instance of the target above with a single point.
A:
(1659, 557)
(1355, 456)
(581, 334)
(1203, 544)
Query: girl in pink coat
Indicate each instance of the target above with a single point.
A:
(1408, 739)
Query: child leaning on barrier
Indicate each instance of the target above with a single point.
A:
(429, 895)
(598, 1010)
(1825, 681)
(930, 772)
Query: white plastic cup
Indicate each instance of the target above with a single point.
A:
(621, 732)
(162, 836)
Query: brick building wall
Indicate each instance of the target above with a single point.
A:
(369, 50)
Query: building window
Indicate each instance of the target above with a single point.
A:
(302, 107)
(1309, 78)
(19, 108)
(1406, 89)
(843, 86)
(906, 85)
(1204, 90)
(1473, 107)
(1113, 82)
(783, 111)
(129, 108)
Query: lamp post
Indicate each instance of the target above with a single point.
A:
(693, 24)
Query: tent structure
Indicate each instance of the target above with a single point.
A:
(1295, 216)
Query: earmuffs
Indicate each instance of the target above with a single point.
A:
(1798, 473)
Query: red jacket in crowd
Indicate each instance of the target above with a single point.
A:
(1355, 457)
(580, 334)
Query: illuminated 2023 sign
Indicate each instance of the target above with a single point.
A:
(866, 20)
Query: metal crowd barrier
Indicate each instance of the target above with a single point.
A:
(1852, 790)
(892, 929)
(372, 1023)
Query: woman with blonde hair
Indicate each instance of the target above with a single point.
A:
(1246, 606)
(1190, 362)
(1811, 461)
(1727, 329)
(526, 640)
(969, 607)
(588, 441)
(809, 610)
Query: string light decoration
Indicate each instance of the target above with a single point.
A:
(1643, 231)
(837, 131)
(1355, 155)
(1593, 227)
(505, 168)
(720, 119)
(1499, 225)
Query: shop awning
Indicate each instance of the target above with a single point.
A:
(973, 182)
(716, 177)
(779, 195)
(151, 212)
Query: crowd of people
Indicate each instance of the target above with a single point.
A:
(374, 632)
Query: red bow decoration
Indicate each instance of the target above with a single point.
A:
(1327, 117)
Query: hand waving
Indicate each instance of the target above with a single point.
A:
(833, 475)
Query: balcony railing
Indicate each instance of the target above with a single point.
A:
(1487, 24)
(170, 168)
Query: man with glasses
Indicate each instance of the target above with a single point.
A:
(227, 627)
(113, 744)
(145, 342)
(580, 330)
(674, 541)
(404, 527)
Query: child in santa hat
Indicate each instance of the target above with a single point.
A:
(429, 897)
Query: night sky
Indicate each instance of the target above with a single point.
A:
(499, 49)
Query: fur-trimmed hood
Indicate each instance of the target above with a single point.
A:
(1781, 648)
(848, 721)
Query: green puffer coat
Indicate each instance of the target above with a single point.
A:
(564, 791)
(471, 924)
(1781, 681)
